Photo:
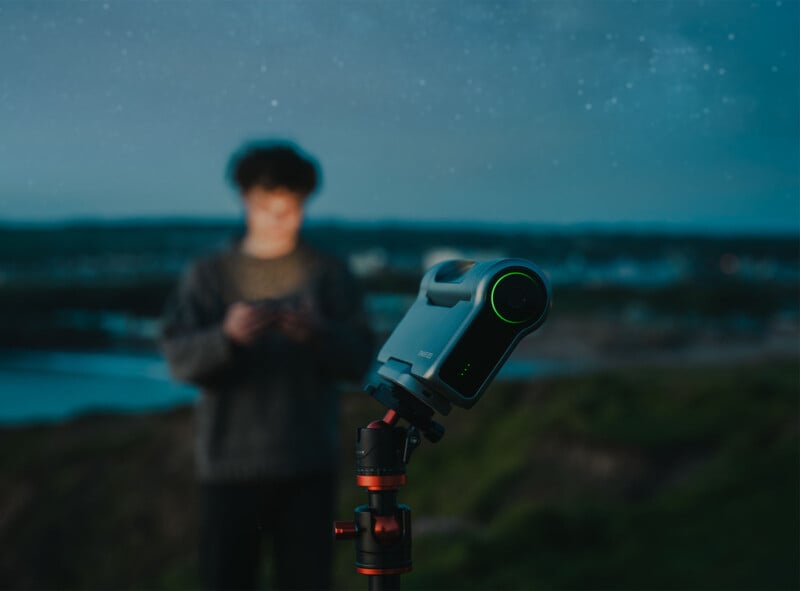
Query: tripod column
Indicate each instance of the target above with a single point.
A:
(381, 528)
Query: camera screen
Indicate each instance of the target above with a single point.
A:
(476, 354)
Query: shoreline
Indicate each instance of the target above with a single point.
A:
(167, 395)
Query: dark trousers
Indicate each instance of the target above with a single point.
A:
(297, 512)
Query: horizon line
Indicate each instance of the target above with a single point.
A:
(603, 227)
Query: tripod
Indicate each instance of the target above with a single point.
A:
(382, 528)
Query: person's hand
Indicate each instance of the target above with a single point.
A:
(299, 327)
(244, 323)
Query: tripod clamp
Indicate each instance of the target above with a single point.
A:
(382, 528)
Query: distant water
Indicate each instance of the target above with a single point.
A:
(47, 386)
(40, 386)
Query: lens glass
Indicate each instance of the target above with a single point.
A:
(518, 297)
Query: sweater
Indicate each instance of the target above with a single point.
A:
(269, 409)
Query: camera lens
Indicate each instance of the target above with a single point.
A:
(517, 297)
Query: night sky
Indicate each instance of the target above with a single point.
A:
(682, 114)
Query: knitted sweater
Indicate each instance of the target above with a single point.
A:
(271, 408)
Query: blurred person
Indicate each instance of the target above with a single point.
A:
(266, 327)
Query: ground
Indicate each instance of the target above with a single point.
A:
(647, 477)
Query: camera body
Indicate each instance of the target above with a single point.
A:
(463, 325)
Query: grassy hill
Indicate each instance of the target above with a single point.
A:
(659, 479)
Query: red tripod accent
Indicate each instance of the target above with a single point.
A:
(381, 528)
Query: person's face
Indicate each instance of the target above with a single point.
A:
(277, 213)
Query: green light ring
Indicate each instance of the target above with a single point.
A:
(491, 297)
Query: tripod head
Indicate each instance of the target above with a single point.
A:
(406, 406)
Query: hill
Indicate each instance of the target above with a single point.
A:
(645, 478)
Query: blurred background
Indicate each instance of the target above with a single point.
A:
(645, 154)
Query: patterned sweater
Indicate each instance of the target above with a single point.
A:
(271, 408)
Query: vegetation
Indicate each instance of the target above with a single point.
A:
(659, 479)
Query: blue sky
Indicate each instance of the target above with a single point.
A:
(650, 112)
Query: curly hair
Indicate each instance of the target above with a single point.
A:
(274, 164)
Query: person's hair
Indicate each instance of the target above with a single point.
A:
(273, 164)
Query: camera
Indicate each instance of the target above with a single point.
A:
(467, 318)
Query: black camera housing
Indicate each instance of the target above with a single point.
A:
(467, 318)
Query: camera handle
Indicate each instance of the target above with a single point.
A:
(382, 528)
